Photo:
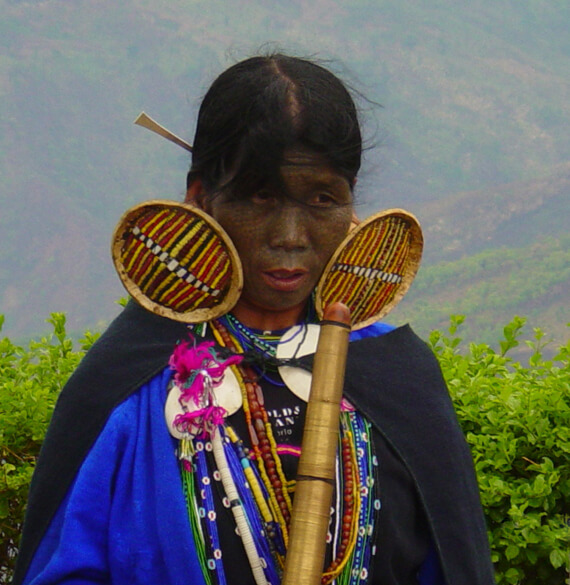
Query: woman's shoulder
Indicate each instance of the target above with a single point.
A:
(373, 330)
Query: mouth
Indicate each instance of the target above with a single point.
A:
(285, 280)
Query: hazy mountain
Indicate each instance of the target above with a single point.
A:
(495, 254)
(472, 135)
(513, 215)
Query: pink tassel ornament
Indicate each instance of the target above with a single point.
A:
(197, 372)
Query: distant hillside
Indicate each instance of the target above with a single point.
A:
(473, 96)
(513, 215)
(490, 288)
(493, 255)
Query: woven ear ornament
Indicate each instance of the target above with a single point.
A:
(373, 267)
(177, 261)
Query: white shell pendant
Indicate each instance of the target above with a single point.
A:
(299, 341)
(226, 395)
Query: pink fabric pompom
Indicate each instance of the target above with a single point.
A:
(197, 371)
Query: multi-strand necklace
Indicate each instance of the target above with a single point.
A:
(262, 491)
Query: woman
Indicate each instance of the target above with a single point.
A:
(276, 155)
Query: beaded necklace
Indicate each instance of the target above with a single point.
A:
(265, 342)
(264, 494)
(260, 434)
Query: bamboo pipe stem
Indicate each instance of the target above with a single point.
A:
(310, 518)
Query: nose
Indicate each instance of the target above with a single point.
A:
(288, 230)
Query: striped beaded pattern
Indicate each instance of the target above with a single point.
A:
(176, 259)
(369, 270)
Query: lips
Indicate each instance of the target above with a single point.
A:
(285, 280)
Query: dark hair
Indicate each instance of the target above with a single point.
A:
(262, 106)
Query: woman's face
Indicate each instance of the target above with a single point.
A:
(284, 236)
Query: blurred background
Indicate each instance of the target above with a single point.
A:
(466, 113)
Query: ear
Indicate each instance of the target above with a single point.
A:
(354, 221)
(195, 194)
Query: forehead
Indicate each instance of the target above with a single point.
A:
(302, 158)
(311, 168)
(300, 173)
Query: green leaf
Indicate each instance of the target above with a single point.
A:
(513, 576)
(511, 551)
(558, 558)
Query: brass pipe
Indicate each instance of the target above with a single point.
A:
(304, 563)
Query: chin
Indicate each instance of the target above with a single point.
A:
(270, 304)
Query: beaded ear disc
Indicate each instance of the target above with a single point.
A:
(177, 261)
(373, 267)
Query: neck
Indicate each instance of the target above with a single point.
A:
(265, 320)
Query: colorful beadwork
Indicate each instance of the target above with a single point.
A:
(264, 491)
(373, 268)
(260, 434)
(368, 272)
(158, 251)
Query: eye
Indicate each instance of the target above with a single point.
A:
(263, 197)
(323, 199)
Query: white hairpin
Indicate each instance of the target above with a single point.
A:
(147, 122)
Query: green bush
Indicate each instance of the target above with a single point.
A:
(517, 421)
(516, 418)
(30, 381)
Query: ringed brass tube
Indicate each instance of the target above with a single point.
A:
(304, 563)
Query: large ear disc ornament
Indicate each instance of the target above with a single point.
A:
(373, 267)
(176, 261)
